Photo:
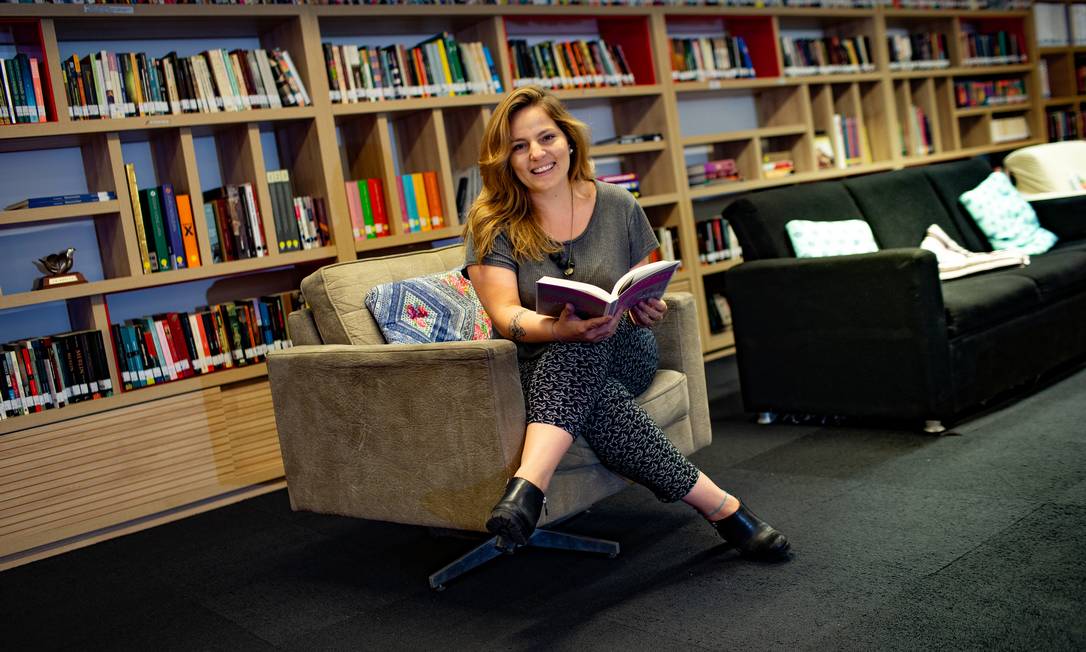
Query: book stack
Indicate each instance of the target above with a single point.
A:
(916, 139)
(719, 313)
(628, 180)
(990, 92)
(50, 372)
(177, 345)
(724, 169)
(918, 51)
(849, 141)
(438, 66)
(668, 238)
(420, 199)
(717, 241)
(991, 49)
(123, 84)
(62, 200)
(826, 56)
(366, 204)
(234, 223)
(704, 58)
(1065, 125)
(776, 165)
(301, 222)
(21, 96)
(165, 227)
(1010, 128)
(569, 64)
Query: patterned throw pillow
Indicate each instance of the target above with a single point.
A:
(817, 239)
(1005, 217)
(435, 308)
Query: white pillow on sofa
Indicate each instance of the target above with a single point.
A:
(817, 239)
(1005, 217)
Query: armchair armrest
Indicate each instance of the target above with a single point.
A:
(1063, 215)
(862, 335)
(422, 434)
(679, 342)
(302, 328)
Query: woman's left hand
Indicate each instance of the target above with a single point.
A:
(649, 312)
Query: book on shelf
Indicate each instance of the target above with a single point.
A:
(1008, 129)
(724, 169)
(826, 56)
(628, 180)
(468, 186)
(777, 164)
(50, 372)
(638, 284)
(367, 208)
(991, 48)
(706, 58)
(629, 139)
(918, 51)
(569, 64)
(719, 313)
(62, 200)
(107, 84)
(421, 202)
(716, 241)
(1050, 24)
(21, 90)
(825, 151)
(301, 222)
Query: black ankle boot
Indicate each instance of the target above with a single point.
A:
(515, 515)
(752, 536)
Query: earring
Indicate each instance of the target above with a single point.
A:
(571, 149)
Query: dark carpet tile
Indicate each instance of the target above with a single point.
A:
(1021, 589)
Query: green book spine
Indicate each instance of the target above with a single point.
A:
(367, 208)
(151, 205)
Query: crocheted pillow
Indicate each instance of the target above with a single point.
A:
(1005, 217)
(435, 308)
(816, 239)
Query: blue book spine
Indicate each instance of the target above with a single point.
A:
(493, 70)
(212, 233)
(64, 200)
(173, 228)
(409, 203)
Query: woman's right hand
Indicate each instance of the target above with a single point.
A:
(571, 328)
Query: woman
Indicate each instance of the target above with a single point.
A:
(541, 213)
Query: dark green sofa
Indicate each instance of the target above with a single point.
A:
(879, 335)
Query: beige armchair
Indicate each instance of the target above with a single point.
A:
(429, 434)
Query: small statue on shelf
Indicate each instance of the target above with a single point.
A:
(57, 268)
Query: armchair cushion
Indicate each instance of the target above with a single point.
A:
(439, 307)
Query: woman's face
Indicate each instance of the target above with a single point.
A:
(540, 151)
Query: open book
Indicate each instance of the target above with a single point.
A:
(636, 285)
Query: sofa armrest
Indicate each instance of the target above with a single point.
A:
(422, 434)
(679, 342)
(861, 335)
(302, 328)
(1065, 215)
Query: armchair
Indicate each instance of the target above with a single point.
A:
(429, 434)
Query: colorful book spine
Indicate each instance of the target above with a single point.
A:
(150, 263)
(174, 240)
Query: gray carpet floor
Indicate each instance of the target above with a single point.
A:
(903, 541)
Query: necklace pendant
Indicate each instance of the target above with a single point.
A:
(569, 271)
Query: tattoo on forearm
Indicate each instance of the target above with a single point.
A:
(516, 331)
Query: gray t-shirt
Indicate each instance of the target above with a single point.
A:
(618, 236)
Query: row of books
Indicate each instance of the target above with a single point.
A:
(668, 249)
(848, 141)
(776, 165)
(438, 66)
(21, 98)
(1066, 125)
(301, 221)
(916, 138)
(165, 227)
(62, 200)
(992, 49)
(724, 169)
(719, 313)
(629, 180)
(1008, 129)
(990, 92)
(366, 205)
(918, 51)
(704, 58)
(826, 56)
(117, 85)
(717, 241)
(1059, 25)
(176, 345)
(50, 372)
(569, 64)
(420, 201)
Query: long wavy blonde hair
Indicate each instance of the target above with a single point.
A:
(504, 203)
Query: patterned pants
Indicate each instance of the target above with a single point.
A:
(588, 390)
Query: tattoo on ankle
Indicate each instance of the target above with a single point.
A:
(516, 331)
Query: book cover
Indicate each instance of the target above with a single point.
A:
(365, 206)
(174, 240)
(61, 200)
(407, 200)
(154, 225)
(188, 230)
(636, 285)
(422, 207)
(433, 199)
(377, 203)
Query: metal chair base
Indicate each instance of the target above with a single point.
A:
(497, 546)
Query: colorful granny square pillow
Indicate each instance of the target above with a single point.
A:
(817, 239)
(435, 308)
(1005, 217)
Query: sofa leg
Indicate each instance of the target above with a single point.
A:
(497, 546)
(766, 418)
(934, 426)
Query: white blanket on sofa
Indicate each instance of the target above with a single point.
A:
(956, 261)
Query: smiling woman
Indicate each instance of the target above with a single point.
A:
(539, 211)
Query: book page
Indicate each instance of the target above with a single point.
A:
(552, 295)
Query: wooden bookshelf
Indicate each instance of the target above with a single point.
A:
(218, 456)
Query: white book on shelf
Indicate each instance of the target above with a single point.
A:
(1078, 23)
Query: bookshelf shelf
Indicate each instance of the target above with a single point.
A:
(722, 266)
(1014, 107)
(629, 148)
(53, 213)
(401, 239)
(648, 201)
(728, 136)
(417, 104)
